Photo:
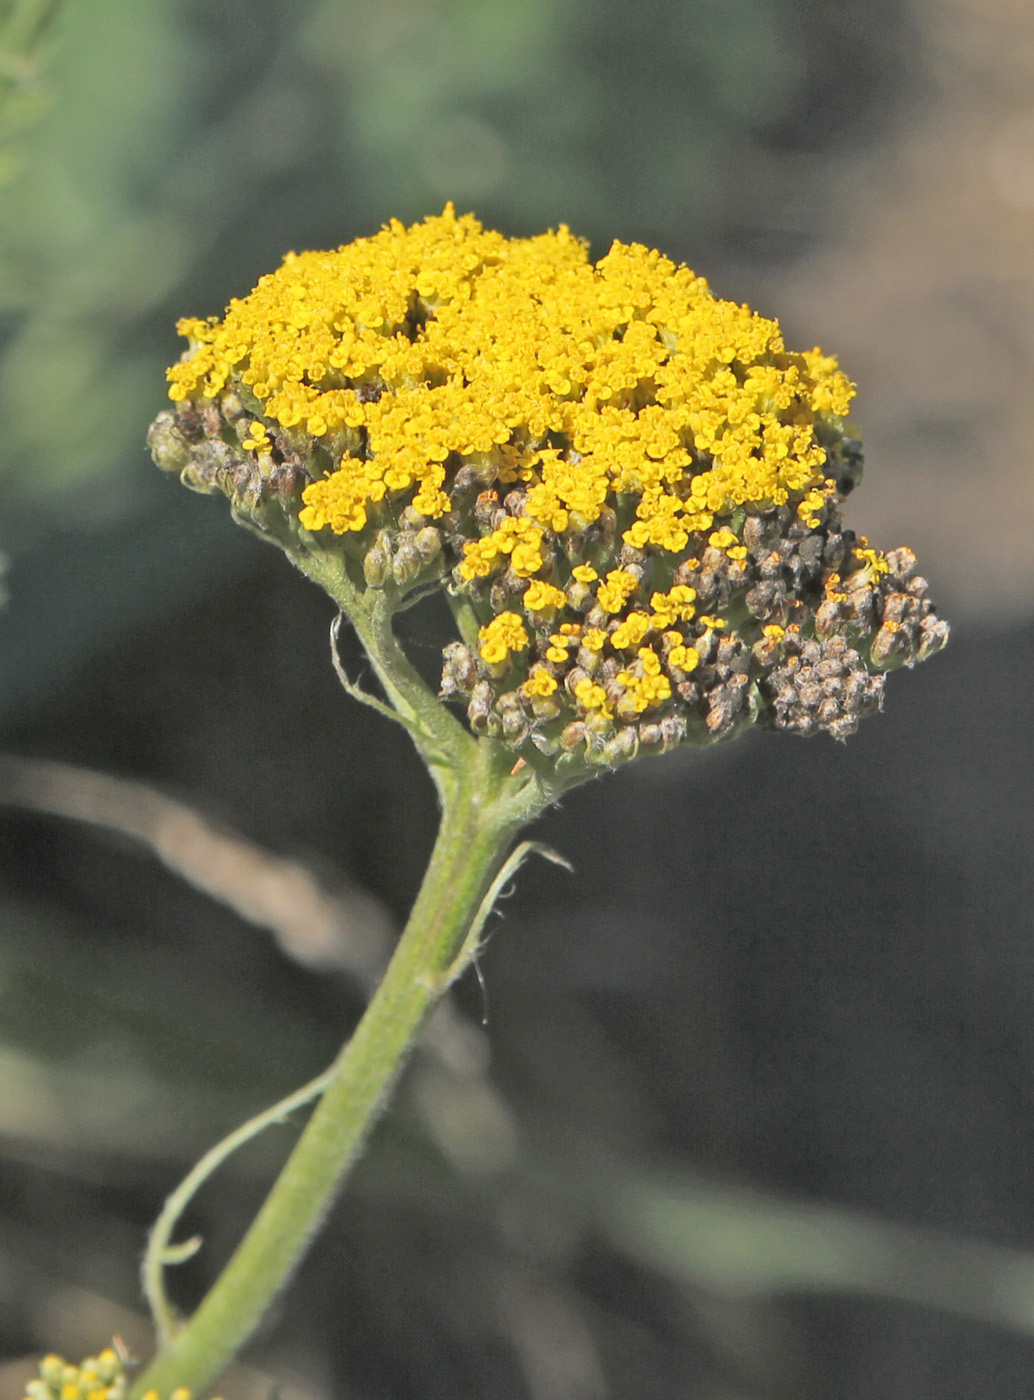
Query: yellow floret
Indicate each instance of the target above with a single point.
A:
(650, 688)
(873, 561)
(257, 439)
(506, 633)
(558, 645)
(590, 695)
(540, 682)
(809, 504)
(684, 658)
(631, 631)
(517, 537)
(677, 605)
(543, 597)
(615, 593)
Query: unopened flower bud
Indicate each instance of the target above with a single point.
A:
(377, 565)
(406, 562)
(428, 544)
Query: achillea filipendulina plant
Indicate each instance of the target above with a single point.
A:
(630, 494)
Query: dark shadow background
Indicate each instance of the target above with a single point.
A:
(797, 970)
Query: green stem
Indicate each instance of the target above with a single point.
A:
(443, 742)
(484, 806)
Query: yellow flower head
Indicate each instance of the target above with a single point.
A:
(564, 444)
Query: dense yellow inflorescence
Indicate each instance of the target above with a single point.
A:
(630, 489)
(583, 382)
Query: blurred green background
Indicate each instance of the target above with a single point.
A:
(751, 1115)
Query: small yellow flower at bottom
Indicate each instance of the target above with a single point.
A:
(100, 1377)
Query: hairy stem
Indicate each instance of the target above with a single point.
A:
(484, 806)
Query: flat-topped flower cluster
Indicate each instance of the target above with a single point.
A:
(421, 351)
(632, 486)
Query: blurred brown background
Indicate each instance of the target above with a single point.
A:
(752, 1114)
